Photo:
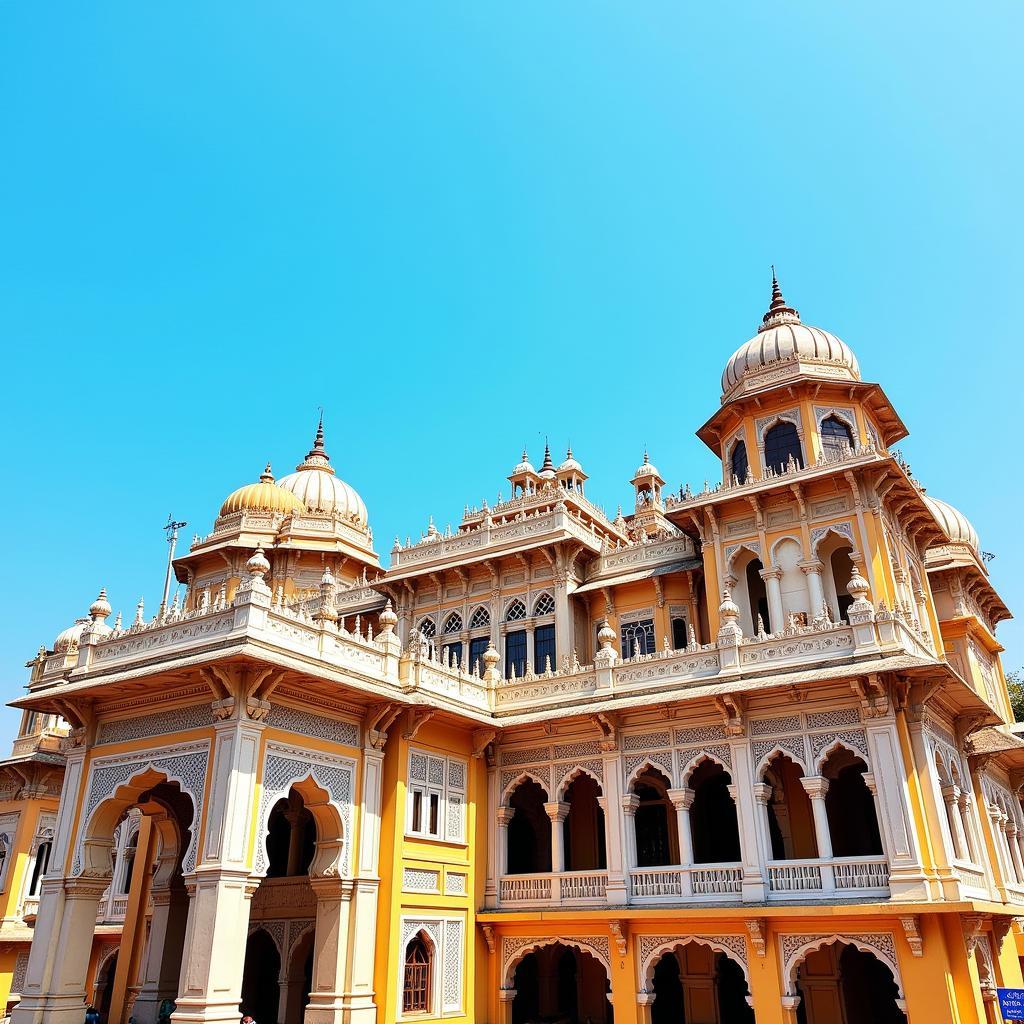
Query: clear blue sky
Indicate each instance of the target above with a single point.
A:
(459, 226)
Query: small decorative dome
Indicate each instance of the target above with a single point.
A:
(570, 465)
(646, 468)
(525, 466)
(782, 337)
(100, 608)
(68, 639)
(957, 526)
(315, 484)
(266, 496)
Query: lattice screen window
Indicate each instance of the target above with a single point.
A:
(453, 624)
(545, 605)
(436, 797)
(480, 618)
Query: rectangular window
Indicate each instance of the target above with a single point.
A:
(515, 653)
(477, 646)
(544, 648)
(437, 797)
(637, 638)
(679, 631)
(452, 653)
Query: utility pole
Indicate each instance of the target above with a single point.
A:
(171, 529)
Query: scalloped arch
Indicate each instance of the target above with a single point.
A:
(574, 773)
(862, 942)
(524, 776)
(677, 942)
(579, 943)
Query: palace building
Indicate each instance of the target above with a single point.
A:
(742, 754)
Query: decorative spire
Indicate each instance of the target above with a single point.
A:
(778, 311)
(548, 464)
(317, 457)
(266, 477)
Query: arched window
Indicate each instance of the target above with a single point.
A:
(836, 436)
(781, 443)
(427, 628)
(544, 605)
(42, 863)
(740, 466)
(679, 637)
(417, 982)
(453, 624)
(481, 617)
(516, 610)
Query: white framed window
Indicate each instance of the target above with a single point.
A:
(433, 956)
(436, 802)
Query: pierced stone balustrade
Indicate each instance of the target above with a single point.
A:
(577, 887)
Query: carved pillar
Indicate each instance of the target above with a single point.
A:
(55, 980)
(742, 792)
(220, 889)
(504, 816)
(362, 1006)
(563, 620)
(615, 842)
(497, 838)
(951, 796)
(331, 954)
(557, 812)
(816, 787)
(772, 579)
(682, 801)
(630, 802)
(811, 568)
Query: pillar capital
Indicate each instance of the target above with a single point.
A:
(557, 810)
(771, 573)
(951, 793)
(809, 565)
(682, 799)
(332, 887)
(504, 815)
(630, 803)
(762, 792)
(816, 786)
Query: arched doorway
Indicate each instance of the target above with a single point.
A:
(695, 983)
(841, 984)
(529, 831)
(105, 988)
(583, 828)
(260, 989)
(790, 818)
(657, 836)
(850, 805)
(561, 983)
(713, 822)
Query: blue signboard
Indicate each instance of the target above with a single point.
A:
(1011, 1003)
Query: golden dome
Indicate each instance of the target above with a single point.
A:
(266, 496)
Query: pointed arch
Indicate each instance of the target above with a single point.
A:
(782, 540)
(515, 610)
(427, 627)
(516, 949)
(277, 940)
(696, 759)
(544, 605)
(840, 531)
(524, 776)
(777, 749)
(836, 744)
(750, 547)
(480, 617)
(733, 946)
(453, 624)
(574, 773)
(647, 764)
(880, 945)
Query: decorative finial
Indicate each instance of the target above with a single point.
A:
(548, 464)
(647, 459)
(778, 311)
(258, 566)
(317, 457)
(100, 608)
(266, 477)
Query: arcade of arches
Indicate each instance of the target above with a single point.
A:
(561, 984)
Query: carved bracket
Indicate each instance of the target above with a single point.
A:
(912, 929)
(618, 936)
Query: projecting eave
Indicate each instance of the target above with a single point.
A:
(617, 579)
(998, 746)
(721, 424)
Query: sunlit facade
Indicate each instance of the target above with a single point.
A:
(741, 754)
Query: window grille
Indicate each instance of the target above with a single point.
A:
(516, 611)
(416, 988)
(637, 638)
(453, 624)
(545, 605)
(835, 436)
(481, 617)
(427, 628)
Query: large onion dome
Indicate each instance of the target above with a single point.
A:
(783, 341)
(957, 526)
(265, 496)
(321, 491)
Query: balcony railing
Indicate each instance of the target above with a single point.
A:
(545, 889)
(713, 881)
(861, 875)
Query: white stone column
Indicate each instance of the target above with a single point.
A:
(811, 568)
(742, 791)
(682, 801)
(966, 823)
(220, 888)
(497, 837)
(504, 815)
(1012, 835)
(772, 579)
(360, 998)
(816, 787)
(557, 811)
(531, 649)
(951, 796)
(630, 802)
(615, 843)
(563, 619)
(55, 981)
(329, 1003)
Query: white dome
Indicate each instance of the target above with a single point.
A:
(69, 637)
(525, 466)
(782, 336)
(315, 484)
(957, 526)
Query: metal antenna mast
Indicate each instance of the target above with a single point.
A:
(171, 529)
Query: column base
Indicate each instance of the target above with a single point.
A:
(341, 1010)
(195, 1011)
(51, 1009)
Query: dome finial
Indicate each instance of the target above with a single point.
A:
(778, 311)
(317, 457)
(266, 477)
(548, 464)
